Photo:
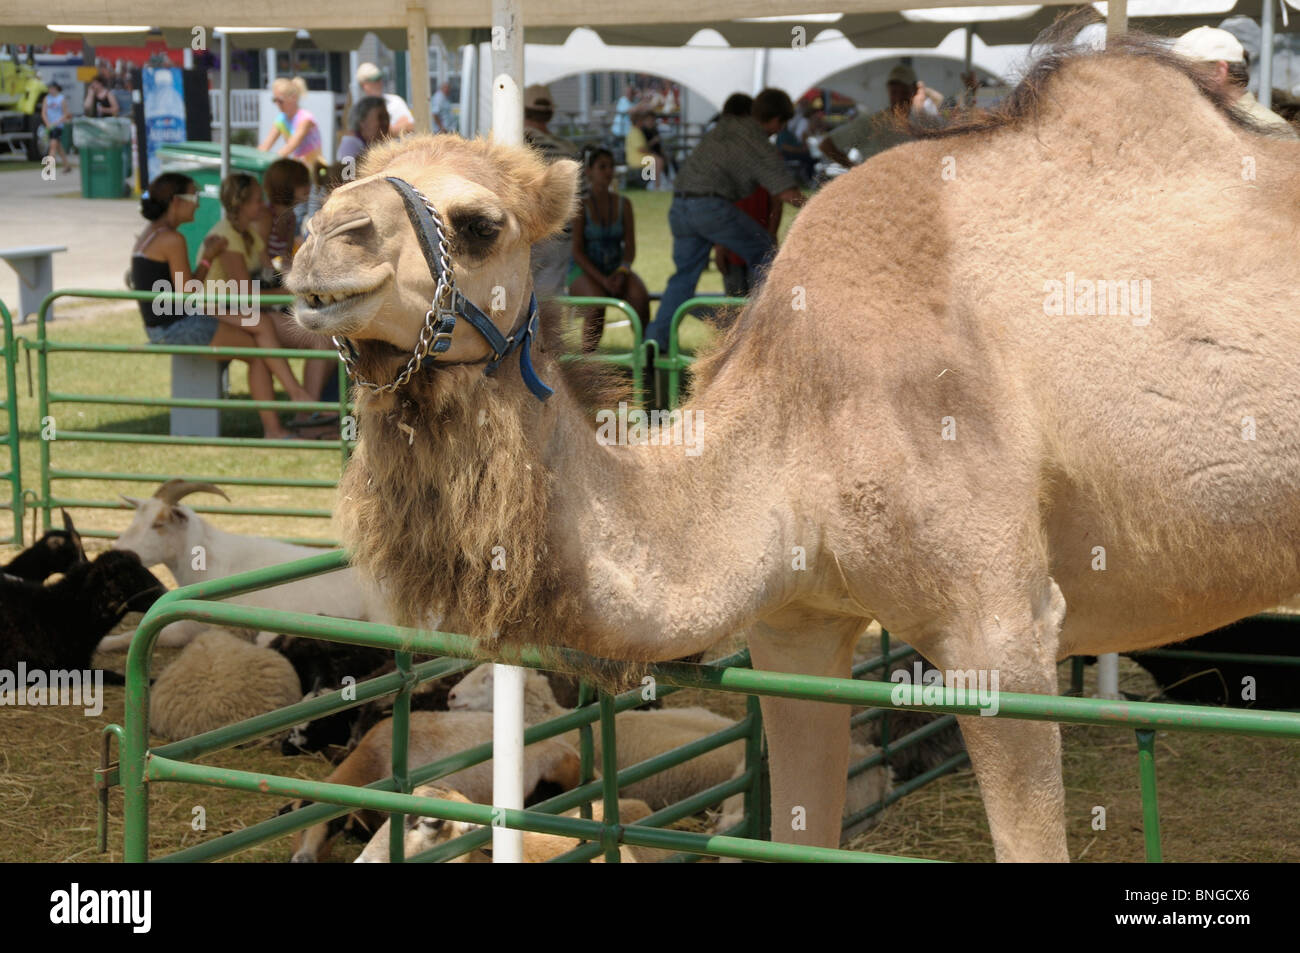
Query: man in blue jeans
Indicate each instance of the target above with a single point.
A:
(731, 159)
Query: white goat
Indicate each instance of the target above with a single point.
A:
(168, 532)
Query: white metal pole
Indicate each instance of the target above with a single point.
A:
(1107, 676)
(417, 59)
(225, 106)
(468, 88)
(1116, 17)
(508, 681)
(270, 66)
(1266, 55)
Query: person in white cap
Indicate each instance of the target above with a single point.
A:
(371, 80)
(872, 133)
(1231, 72)
(550, 258)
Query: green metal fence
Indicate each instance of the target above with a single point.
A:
(675, 362)
(48, 399)
(141, 766)
(13, 476)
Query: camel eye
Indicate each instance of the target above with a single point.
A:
(484, 228)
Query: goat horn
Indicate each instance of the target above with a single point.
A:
(173, 491)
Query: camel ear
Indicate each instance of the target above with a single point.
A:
(554, 200)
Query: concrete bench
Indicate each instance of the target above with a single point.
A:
(35, 267)
(198, 377)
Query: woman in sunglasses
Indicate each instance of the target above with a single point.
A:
(160, 262)
(297, 126)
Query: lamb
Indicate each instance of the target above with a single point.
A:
(426, 833)
(57, 627)
(436, 735)
(193, 550)
(641, 735)
(217, 680)
(57, 551)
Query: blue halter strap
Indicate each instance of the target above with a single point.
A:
(447, 307)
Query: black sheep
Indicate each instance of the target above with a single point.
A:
(1220, 682)
(57, 627)
(57, 551)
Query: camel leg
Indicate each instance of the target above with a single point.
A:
(808, 742)
(1017, 763)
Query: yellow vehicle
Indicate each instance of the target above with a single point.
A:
(21, 94)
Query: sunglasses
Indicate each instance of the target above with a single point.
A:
(188, 197)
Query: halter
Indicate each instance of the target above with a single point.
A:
(447, 305)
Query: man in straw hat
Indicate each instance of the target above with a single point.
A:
(872, 133)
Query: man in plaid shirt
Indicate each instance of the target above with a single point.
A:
(731, 159)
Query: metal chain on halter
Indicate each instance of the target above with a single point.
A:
(441, 302)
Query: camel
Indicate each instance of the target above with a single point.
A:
(907, 423)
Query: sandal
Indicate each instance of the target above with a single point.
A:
(317, 419)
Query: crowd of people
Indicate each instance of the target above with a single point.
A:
(727, 199)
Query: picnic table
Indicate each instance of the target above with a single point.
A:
(35, 267)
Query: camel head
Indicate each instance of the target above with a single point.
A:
(362, 274)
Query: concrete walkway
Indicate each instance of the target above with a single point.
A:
(98, 233)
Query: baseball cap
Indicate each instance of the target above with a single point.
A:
(1210, 44)
(369, 73)
(538, 96)
(902, 73)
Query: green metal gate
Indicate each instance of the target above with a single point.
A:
(9, 405)
(140, 766)
(49, 399)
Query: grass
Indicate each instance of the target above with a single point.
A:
(1221, 798)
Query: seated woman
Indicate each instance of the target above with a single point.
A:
(246, 258)
(297, 126)
(369, 125)
(288, 186)
(604, 247)
(160, 261)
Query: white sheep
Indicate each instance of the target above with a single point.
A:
(168, 532)
(217, 680)
(435, 735)
(426, 833)
(641, 735)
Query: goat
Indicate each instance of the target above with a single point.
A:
(57, 551)
(58, 626)
(166, 531)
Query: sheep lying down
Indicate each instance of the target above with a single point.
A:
(434, 735)
(426, 833)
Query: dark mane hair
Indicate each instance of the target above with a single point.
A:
(1054, 48)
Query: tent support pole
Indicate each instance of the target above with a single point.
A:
(417, 47)
(1116, 17)
(508, 680)
(1266, 15)
(225, 106)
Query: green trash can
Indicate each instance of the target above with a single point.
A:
(103, 145)
(201, 161)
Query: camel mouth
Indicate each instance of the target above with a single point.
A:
(322, 302)
(320, 309)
